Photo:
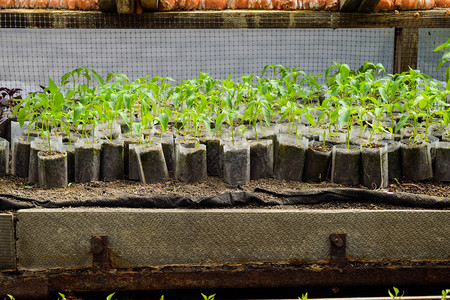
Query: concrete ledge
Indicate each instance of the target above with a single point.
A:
(7, 243)
(60, 238)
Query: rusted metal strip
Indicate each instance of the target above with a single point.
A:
(249, 277)
(338, 253)
(101, 257)
(21, 286)
(24, 285)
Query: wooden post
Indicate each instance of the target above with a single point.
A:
(406, 46)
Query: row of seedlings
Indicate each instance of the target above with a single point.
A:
(146, 128)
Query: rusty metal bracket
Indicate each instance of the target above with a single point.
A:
(101, 257)
(338, 253)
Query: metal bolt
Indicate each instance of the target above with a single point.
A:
(97, 246)
(337, 241)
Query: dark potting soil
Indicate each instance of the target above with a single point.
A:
(212, 186)
(321, 147)
(53, 153)
(373, 145)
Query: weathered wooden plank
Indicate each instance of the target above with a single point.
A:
(436, 18)
(15, 18)
(405, 49)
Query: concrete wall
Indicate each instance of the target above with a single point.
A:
(7, 242)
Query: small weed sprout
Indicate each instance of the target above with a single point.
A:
(303, 297)
(444, 294)
(210, 297)
(61, 296)
(395, 295)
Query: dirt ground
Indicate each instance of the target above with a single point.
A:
(13, 185)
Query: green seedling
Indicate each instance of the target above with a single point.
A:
(445, 58)
(61, 296)
(444, 294)
(303, 297)
(210, 297)
(395, 294)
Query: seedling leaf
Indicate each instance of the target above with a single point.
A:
(401, 122)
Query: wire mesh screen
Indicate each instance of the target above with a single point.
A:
(427, 60)
(33, 55)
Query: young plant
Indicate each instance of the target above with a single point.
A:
(291, 111)
(395, 295)
(161, 90)
(86, 113)
(445, 58)
(163, 121)
(113, 110)
(210, 297)
(327, 118)
(63, 297)
(46, 108)
(257, 109)
(314, 90)
(229, 107)
(79, 81)
(303, 297)
(444, 294)
(345, 117)
(338, 82)
(147, 119)
(198, 120)
(137, 128)
(276, 70)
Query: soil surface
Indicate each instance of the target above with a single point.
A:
(17, 186)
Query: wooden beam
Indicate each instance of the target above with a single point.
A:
(19, 18)
(406, 46)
